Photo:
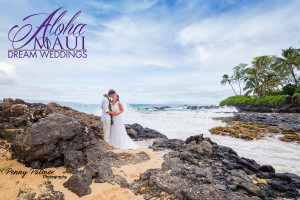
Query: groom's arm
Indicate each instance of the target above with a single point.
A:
(111, 113)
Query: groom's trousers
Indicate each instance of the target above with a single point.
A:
(106, 129)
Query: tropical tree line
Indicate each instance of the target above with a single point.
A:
(266, 74)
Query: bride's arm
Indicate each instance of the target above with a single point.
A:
(120, 107)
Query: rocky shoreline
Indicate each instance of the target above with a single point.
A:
(262, 108)
(42, 136)
(252, 125)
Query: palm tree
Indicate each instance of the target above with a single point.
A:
(297, 60)
(282, 75)
(266, 74)
(238, 74)
(263, 62)
(264, 66)
(252, 82)
(290, 61)
(228, 80)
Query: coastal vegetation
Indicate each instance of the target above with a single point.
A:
(241, 99)
(267, 80)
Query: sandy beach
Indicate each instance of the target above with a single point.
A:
(100, 191)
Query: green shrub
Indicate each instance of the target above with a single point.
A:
(278, 100)
(289, 89)
(251, 101)
(298, 97)
(236, 100)
(233, 100)
(297, 90)
(276, 93)
(260, 101)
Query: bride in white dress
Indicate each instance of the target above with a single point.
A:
(118, 136)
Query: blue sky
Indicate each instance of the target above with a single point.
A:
(149, 51)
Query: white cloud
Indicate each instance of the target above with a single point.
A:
(13, 85)
(235, 37)
(7, 74)
(152, 53)
(124, 6)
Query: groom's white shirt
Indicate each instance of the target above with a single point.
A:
(105, 109)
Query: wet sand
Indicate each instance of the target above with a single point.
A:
(10, 184)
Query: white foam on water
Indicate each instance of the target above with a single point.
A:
(98, 111)
(283, 156)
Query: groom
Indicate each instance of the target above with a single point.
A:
(105, 118)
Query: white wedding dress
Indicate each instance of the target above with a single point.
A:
(118, 136)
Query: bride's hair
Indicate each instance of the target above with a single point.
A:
(117, 98)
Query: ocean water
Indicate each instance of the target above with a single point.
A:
(176, 121)
(179, 122)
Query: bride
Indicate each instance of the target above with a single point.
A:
(118, 136)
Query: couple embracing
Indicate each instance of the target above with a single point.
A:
(113, 126)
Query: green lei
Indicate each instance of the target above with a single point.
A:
(110, 108)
